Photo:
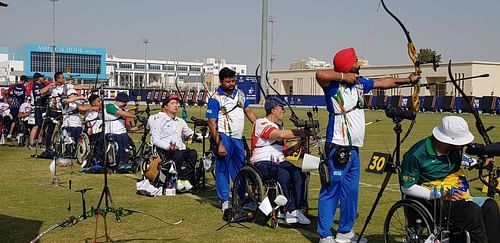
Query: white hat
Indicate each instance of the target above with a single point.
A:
(454, 130)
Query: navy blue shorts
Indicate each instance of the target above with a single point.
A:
(39, 116)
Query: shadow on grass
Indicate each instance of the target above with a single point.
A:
(114, 238)
(18, 229)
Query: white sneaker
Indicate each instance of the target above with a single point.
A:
(187, 185)
(328, 239)
(290, 218)
(225, 205)
(301, 218)
(349, 237)
(180, 185)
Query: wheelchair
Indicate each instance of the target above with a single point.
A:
(411, 221)
(62, 142)
(248, 192)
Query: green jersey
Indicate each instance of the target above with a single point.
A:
(422, 164)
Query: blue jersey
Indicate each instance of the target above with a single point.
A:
(345, 103)
(18, 94)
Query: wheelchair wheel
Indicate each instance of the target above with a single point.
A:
(199, 178)
(82, 148)
(57, 142)
(247, 192)
(111, 154)
(407, 221)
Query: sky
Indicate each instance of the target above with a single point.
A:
(189, 30)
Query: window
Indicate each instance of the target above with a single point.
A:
(195, 69)
(139, 66)
(126, 65)
(182, 68)
(155, 66)
(168, 67)
(72, 63)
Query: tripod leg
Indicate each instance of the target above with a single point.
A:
(379, 196)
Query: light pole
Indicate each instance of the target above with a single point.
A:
(146, 41)
(53, 36)
(271, 20)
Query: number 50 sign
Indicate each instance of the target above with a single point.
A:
(378, 161)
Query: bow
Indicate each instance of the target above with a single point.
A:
(184, 111)
(93, 213)
(412, 53)
(293, 118)
(492, 181)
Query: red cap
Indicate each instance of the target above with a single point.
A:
(344, 60)
(170, 98)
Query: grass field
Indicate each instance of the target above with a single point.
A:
(29, 204)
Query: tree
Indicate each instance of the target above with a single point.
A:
(428, 55)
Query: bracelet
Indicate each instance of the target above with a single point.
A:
(342, 76)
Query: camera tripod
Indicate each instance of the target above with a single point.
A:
(393, 165)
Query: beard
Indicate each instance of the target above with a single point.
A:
(355, 70)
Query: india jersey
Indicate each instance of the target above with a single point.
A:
(345, 103)
(228, 110)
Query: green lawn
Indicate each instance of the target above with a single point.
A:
(29, 204)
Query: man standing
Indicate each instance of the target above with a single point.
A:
(40, 104)
(168, 133)
(17, 93)
(344, 136)
(58, 91)
(226, 119)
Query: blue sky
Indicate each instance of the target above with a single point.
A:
(462, 30)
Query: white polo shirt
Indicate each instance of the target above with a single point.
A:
(166, 131)
(263, 147)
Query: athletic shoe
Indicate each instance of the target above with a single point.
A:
(291, 218)
(9, 137)
(301, 218)
(180, 185)
(349, 237)
(226, 211)
(328, 239)
(225, 205)
(187, 185)
(32, 147)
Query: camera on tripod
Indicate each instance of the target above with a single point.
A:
(396, 113)
(487, 150)
(306, 124)
(199, 122)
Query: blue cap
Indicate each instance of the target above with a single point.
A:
(273, 101)
(122, 96)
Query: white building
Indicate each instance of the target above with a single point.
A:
(131, 72)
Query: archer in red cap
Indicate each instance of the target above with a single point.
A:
(345, 134)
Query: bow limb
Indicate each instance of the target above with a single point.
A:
(183, 105)
(119, 212)
(412, 54)
(294, 118)
(479, 123)
(72, 220)
(492, 186)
